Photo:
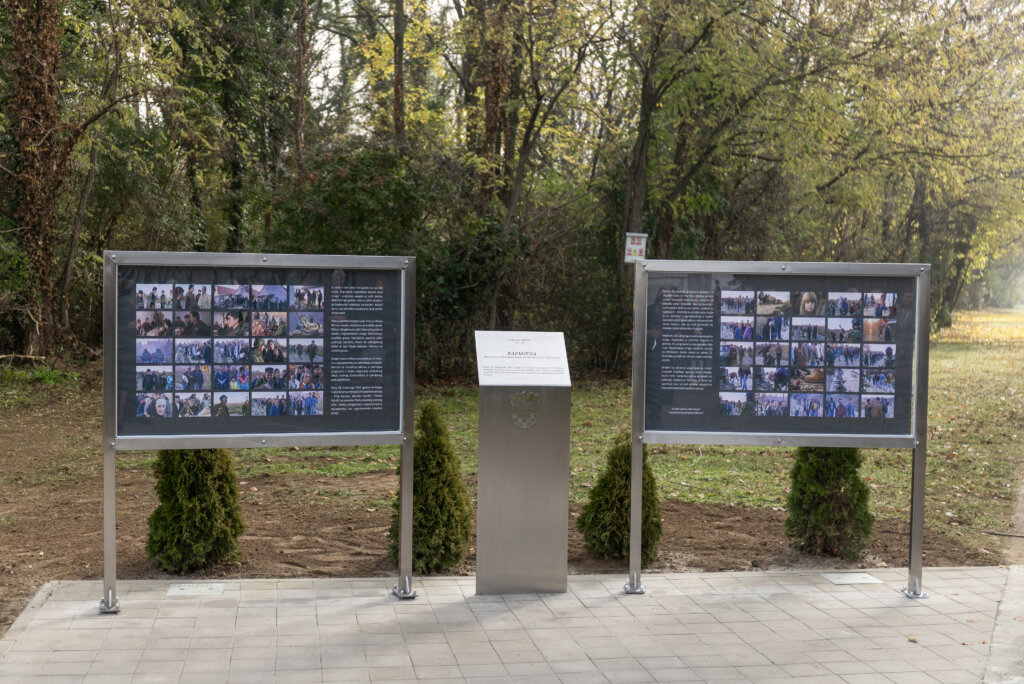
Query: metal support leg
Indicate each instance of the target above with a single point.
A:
(917, 484)
(917, 489)
(403, 589)
(636, 476)
(636, 480)
(109, 603)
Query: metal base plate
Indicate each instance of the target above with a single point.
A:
(402, 594)
(403, 589)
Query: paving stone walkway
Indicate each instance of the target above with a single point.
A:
(786, 626)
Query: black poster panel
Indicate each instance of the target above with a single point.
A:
(780, 354)
(245, 350)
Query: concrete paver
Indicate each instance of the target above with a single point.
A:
(784, 626)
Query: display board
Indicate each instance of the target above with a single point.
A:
(251, 350)
(774, 353)
(278, 349)
(759, 350)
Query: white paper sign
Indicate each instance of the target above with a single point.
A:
(521, 358)
(636, 247)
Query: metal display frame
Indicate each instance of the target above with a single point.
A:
(916, 439)
(114, 442)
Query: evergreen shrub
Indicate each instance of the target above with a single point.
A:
(198, 520)
(828, 502)
(441, 511)
(604, 522)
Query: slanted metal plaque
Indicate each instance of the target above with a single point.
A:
(521, 358)
(523, 490)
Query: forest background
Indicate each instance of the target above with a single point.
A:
(509, 145)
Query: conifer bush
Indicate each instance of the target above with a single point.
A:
(198, 520)
(604, 522)
(828, 502)
(441, 511)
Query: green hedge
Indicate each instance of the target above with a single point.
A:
(442, 516)
(828, 502)
(604, 521)
(199, 520)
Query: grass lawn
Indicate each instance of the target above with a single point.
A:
(975, 421)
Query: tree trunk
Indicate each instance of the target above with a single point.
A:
(636, 182)
(917, 225)
(236, 210)
(39, 136)
(496, 84)
(300, 88)
(234, 167)
(195, 194)
(76, 233)
(471, 72)
(967, 228)
(666, 231)
(666, 216)
(400, 140)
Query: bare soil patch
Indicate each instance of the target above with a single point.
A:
(51, 508)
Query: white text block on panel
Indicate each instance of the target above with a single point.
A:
(521, 358)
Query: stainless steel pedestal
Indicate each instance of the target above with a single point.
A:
(523, 490)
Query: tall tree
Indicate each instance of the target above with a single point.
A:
(399, 79)
(43, 142)
(46, 135)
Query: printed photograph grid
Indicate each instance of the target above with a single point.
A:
(215, 350)
(807, 354)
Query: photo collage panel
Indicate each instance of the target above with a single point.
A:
(215, 350)
(807, 354)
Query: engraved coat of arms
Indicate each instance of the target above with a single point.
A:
(524, 408)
